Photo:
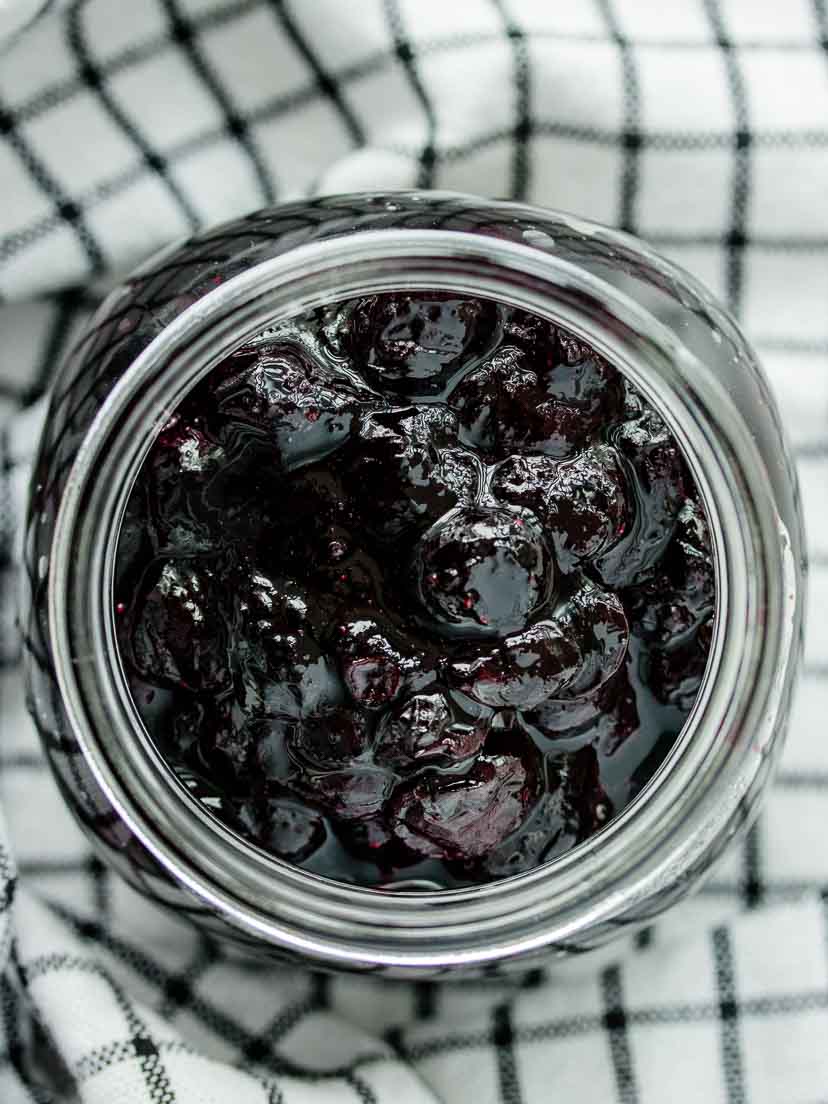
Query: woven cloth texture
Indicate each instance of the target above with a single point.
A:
(701, 125)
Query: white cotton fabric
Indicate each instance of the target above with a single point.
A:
(701, 125)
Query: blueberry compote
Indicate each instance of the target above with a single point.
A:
(415, 590)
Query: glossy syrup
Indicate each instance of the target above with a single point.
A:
(415, 590)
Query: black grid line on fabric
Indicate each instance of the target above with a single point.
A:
(18, 240)
(631, 142)
(274, 1093)
(802, 244)
(103, 1058)
(99, 877)
(667, 1015)
(361, 1088)
(753, 886)
(151, 1064)
(736, 240)
(811, 450)
(799, 779)
(178, 988)
(12, 1018)
(407, 56)
(321, 990)
(11, 40)
(9, 642)
(205, 1011)
(522, 83)
(144, 1048)
(260, 1046)
(97, 85)
(426, 996)
(63, 90)
(789, 343)
(66, 211)
(223, 13)
(185, 33)
(325, 83)
(644, 938)
(503, 1040)
(615, 1023)
(730, 1041)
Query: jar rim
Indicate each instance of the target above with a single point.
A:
(661, 837)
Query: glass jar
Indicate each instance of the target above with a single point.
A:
(182, 313)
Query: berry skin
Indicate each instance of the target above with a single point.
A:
(673, 605)
(525, 670)
(463, 816)
(606, 718)
(534, 336)
(186, 474)
(483, 570)
(285, 671)
(596, 619)
(658, 485)
(676, 672)
(411, 344)
(331, 740)
(584, 381)
(489, 399)
(424, 729)
(358, 792)
(406, 468)
(284, 827)
(573, 807)
(374, 665)
(180, 628)
(581, 503)
(553, 403)
(586, 511)
(288, 407)
(527, 481)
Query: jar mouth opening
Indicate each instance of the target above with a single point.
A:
(283, 903)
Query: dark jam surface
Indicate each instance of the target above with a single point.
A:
(415, 590)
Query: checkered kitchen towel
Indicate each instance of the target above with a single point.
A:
(701, 125)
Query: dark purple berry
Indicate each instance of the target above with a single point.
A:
(357, 792)
(331, 739)
(483, 570)
(285, 827)
(583, 380)
(426, 729)
(526, 481)
(573, 807)
(672, 605)
(373, 662)
(287, 672)
(658, 487)
(288, 404)
(525, 670)
(180, 627)
(412, 343)
(449, 816)
(606, 718)
(586, 510)
(502, 390)
(676, 672)
(405, 469)
(596, 619)
(534, 335)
